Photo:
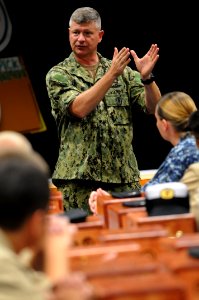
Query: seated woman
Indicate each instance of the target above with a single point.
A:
(172, 117)
(191, 175)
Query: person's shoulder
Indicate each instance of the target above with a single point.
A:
(191, 174)
(191, 144)
(58, 66)
(194, 167)
(68, 61)
(59, 71)
(188, 139)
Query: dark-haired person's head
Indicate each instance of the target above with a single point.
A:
(24, 188)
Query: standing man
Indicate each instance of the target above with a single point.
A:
(92, 101)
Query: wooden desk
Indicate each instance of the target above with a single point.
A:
(185, 267)
(105, 201)
(88, 232)
(113, 263)
(177, 225)
(144, 286)
(145, 237)
(117, 211)
(187, 240)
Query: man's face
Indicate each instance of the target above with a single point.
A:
(84, 38)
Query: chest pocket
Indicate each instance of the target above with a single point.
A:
(118, 110)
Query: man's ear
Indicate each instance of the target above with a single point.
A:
(101, 33)
(36, 227)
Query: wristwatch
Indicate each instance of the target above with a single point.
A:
(149, 80)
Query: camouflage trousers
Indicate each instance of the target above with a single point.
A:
(76, 192)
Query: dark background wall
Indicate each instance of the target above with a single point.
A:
(40, 36)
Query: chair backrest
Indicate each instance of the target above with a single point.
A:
(116, 213)
(143, 286)
(55, 202)
(144, 236)
(103, 203)
(177, 225)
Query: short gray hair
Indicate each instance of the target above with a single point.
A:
(85, 15)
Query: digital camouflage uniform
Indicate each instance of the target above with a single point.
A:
(180, 157)
(98, 148)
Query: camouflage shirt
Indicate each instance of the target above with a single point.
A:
(99, 146)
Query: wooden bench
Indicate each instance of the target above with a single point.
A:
(92, 222)
(113, 263)
(103, 203)
(115, 236)
(186, 241)
(185, 267)
(144, 286)
(87, 232)
(145, 237)
(177, 224)
(129, 271)
(117, 211)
